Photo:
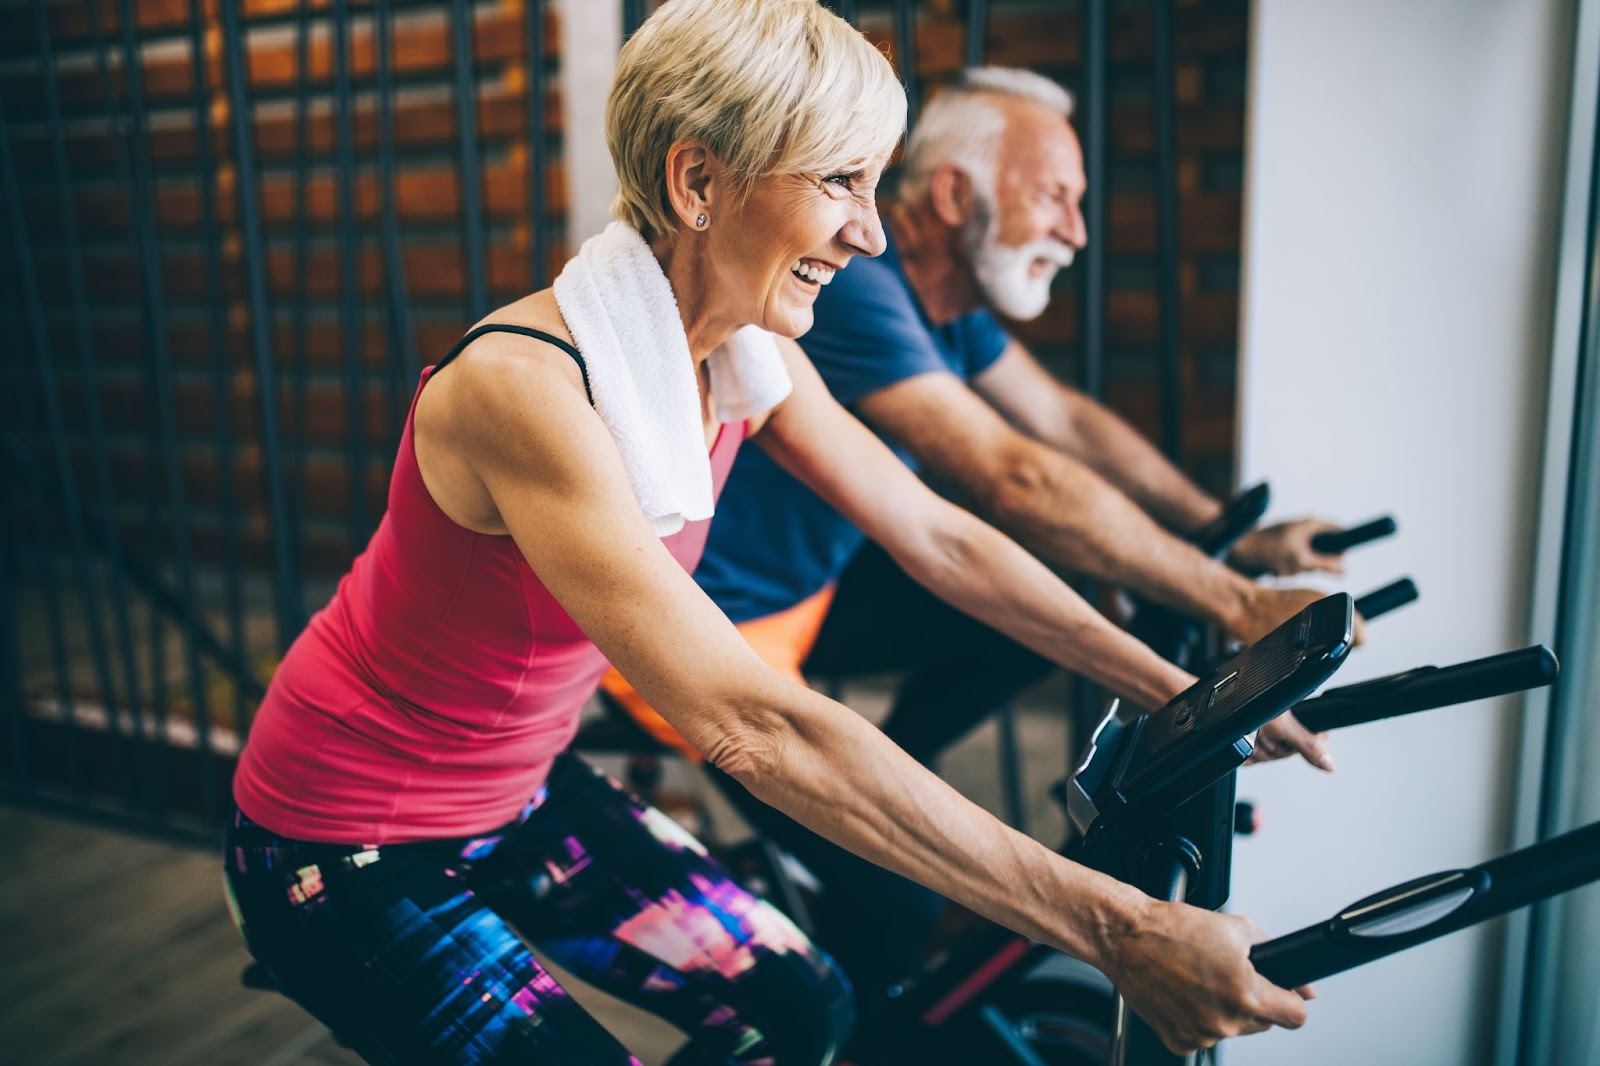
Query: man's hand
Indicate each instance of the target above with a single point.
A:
(1285, 549)
(1265, 609)
(1284, 736)
(1187, 973)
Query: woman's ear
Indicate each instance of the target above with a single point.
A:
(952, 194)
(692, 180)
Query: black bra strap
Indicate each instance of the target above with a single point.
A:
(525, 331)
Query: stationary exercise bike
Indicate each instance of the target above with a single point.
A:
(1152, 803)
(996, 997)
(1139, 798)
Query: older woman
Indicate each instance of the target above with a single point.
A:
(408, 816)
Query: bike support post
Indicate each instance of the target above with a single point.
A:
(1168, 867)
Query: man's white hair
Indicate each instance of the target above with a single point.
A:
(963, 124)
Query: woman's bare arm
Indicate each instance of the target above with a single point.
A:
(956, 555)
(557, 483)
(971, 565)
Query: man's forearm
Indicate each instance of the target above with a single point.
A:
(985, 574)
(1069, 516)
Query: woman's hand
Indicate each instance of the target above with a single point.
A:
(1187, 973)
(1263, 609)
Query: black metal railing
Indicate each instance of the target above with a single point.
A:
(210, 217)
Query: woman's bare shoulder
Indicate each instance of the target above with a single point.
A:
(502, 367)
(537, 310)
(506, 399)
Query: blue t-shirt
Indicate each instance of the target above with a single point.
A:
(773, 541)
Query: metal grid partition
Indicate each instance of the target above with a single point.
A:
(234, 230)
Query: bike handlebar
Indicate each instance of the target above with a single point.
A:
(1335, 541)
(1427, 687)
(1382, 601)
(1430, 907)
(1238, 516)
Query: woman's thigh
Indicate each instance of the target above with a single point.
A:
(626, 899)
(390, 949)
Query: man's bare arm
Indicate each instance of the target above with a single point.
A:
(1060, 509)
(1064, 418)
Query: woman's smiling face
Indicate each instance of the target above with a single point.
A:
(773, 253)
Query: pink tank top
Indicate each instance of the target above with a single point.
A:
(431, 695)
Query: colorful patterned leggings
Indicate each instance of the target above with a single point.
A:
(412, 954)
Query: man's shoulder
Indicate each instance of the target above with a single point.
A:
(868, 333)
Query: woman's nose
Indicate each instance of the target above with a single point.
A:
(864, 234)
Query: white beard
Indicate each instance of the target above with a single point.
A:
(1005, 274)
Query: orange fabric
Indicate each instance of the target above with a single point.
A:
(783, 641)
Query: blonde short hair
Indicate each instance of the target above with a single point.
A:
(769, 86)
(962, 125)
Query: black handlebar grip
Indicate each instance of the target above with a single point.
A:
(1335, 541)
(1427, 687)
(1430, 907)
(1301, 957)
(1386, 599)
(1238, 516)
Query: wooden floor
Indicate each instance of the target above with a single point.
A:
(117, 950)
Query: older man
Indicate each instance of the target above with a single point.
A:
(988, 212)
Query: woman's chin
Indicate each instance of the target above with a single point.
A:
(792, 322)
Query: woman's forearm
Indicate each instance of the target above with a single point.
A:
(1066, 514)
(982, 572)
(838, 775)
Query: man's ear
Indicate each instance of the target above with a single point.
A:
(692, 181)
(952, 194)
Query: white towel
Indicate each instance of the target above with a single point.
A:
(620, 308)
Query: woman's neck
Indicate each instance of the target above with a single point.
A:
(694, 285)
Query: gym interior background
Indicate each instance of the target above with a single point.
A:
(1348, 247)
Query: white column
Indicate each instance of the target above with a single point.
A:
(591, 34)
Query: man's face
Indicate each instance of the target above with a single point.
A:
(1029, 225)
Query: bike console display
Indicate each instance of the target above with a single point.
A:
(1153, 763)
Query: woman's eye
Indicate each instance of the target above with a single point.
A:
(845, 181)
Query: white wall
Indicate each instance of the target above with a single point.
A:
(591, 34)
(1402, 191)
